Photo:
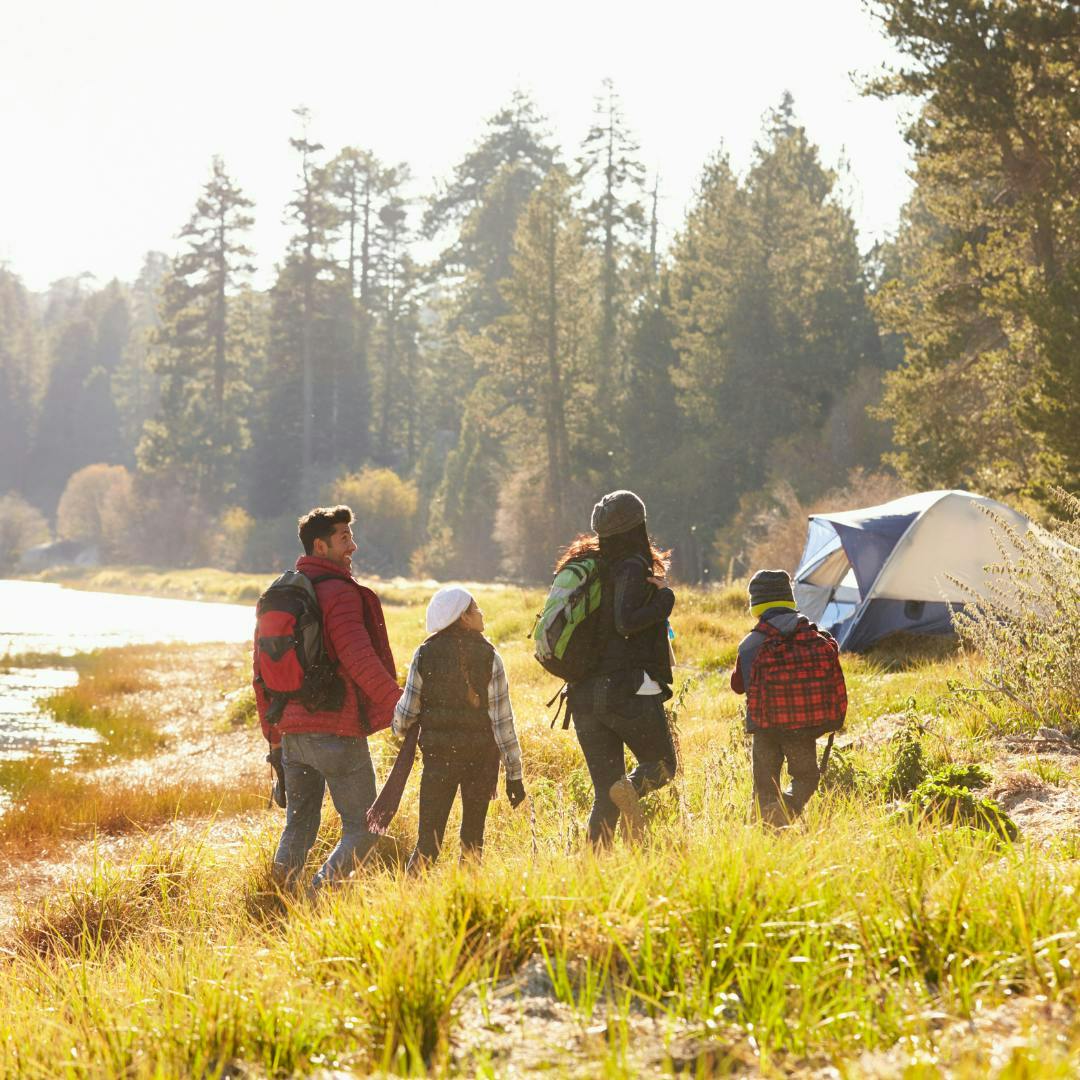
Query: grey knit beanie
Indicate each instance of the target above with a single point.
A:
(771, 586)
(617, 512)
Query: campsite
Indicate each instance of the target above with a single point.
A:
(540, 543)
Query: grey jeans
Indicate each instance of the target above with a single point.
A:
(312, 764)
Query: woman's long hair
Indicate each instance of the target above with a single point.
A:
(635, 541)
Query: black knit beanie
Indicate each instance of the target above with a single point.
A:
(617, 512)
(771, 586)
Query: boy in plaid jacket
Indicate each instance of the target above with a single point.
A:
(772, 602)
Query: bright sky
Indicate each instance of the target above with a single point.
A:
(112, 110)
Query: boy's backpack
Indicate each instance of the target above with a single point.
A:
(293, 662)
(566, 634)
(796, 681)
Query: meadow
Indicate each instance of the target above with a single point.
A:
(889, 932)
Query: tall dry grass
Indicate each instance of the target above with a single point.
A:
(858, 931)
(1024, 634)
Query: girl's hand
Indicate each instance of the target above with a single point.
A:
(659, 582)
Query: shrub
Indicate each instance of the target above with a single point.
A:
(242, 711)
(93, 508)
(908, 767)
(385, 509)
(956, 805)
(21, 527)
(231, 539)
(1025, 629)
(971, 776)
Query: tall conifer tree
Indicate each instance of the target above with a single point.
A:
(201, 425)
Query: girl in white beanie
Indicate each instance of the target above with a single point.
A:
(457, 697)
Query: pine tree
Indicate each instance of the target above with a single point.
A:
(357, 186)
(989, 290)
(78, 423)
(315, 218)
(482, 203)
(768, 297)
(478, 212)
(201, 425)
(397, 305)
(20, 369)
(616, 218)
(135, 385)
(540, 356)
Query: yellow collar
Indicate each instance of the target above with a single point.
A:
(759, 609)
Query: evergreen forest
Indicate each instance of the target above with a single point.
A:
(471, 366)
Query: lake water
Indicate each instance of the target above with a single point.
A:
(37, 617)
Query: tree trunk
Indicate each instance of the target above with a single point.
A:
(556, 420)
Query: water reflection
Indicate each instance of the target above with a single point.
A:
(37, 617)
(41, 617)
(24, 728)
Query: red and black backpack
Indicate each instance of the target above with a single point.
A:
(293, 661)
(796, 681)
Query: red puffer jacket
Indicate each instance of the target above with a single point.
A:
(355, 636)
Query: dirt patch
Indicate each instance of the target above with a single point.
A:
(1045, 741)
(883, 729)
(987, 1044)
(1043, 812)
(519, 1028)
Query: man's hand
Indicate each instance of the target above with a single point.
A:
(515, 792)
(659, 582)
(274, 757)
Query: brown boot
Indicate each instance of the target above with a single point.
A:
(626, 799)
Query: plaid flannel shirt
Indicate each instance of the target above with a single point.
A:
(407, 712)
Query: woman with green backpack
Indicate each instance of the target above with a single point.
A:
(617, 699)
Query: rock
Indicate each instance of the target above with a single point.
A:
(1053, 735)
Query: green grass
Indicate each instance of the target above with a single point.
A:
(202, 583)
(858, 929)
(104, 700)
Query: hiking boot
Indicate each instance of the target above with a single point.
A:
(626, 799)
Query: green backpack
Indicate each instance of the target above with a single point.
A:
(566, 634)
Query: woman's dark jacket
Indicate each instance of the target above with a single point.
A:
(632, 639)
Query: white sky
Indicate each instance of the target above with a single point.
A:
(112, 109)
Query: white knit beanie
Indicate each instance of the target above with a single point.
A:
(446, 607)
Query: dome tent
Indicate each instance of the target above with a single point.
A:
(867, 573)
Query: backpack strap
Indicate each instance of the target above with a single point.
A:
(563, 695)
(825, 756)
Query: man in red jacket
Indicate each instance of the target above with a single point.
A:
(327, 749)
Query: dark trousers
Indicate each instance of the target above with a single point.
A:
(638, 723)
(438, 786)
(771, 749)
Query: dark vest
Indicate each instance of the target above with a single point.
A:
(451, 727)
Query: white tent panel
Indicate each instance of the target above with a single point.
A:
(953, 539)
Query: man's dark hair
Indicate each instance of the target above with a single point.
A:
(319, 523)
